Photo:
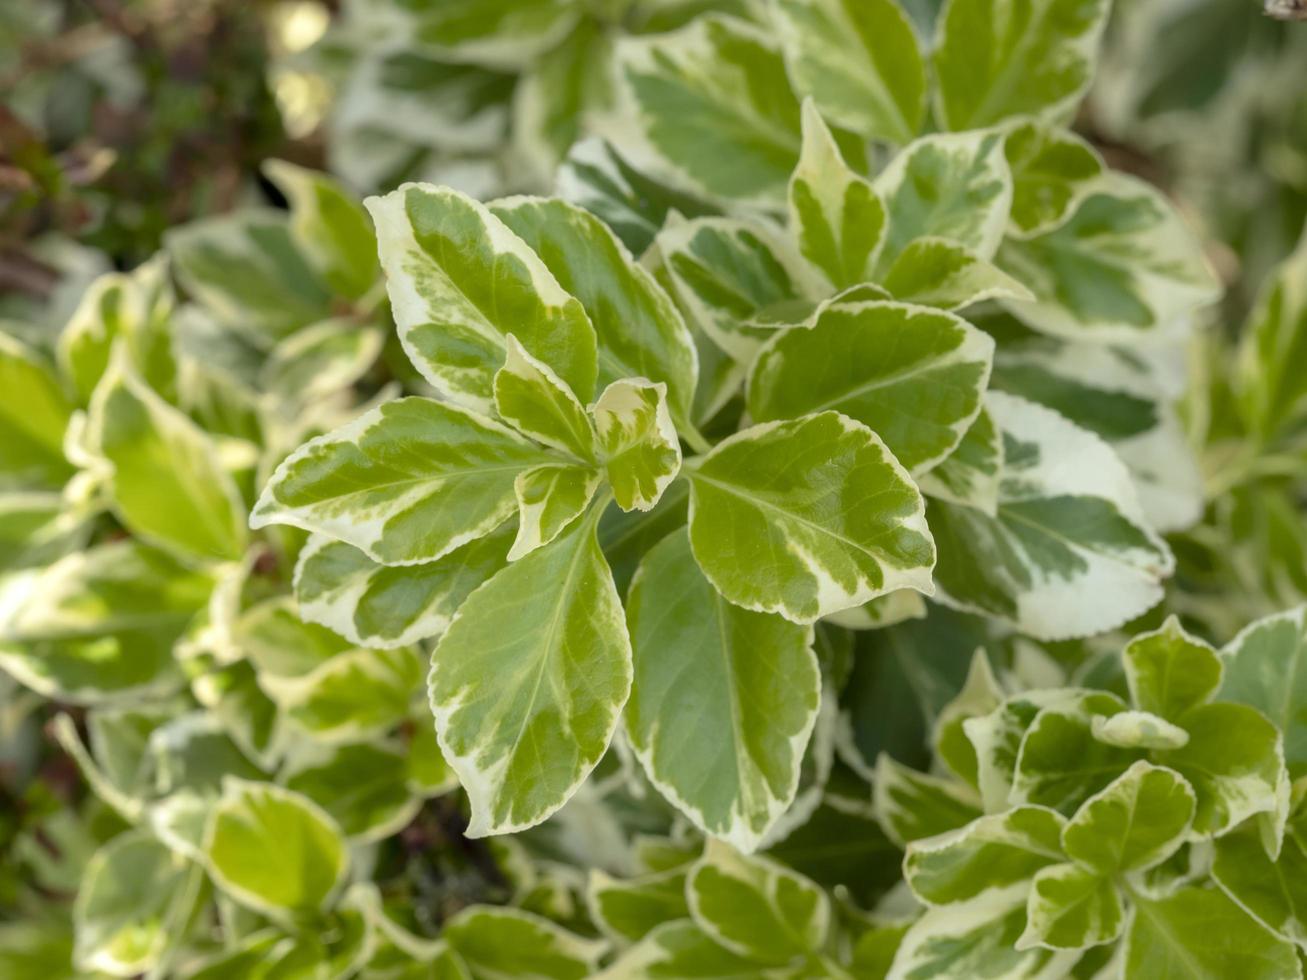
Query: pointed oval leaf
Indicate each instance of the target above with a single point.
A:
(1266, 667)
(1169, 671)
(746, 683)
(460, 281)
(1136, 822)
(549, 498)
(641, 450)
(807, 517)
(528, 680)
(1071, 908)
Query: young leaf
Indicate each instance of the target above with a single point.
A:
(1200, 933)
(999, 61)
(986, 856)
(1138, 821)
(1067, 521)
(528, 680)
(980, 695)
(913, 376)
(712, 104)
(737, 281)
(937, 272)
(168, 484)
(1052, 172)
(640, 448)
(1123, 267)
(1071, 908)
(640, 332)
(1266, 667)
(1138, 730)
(807, 517)
(1170, 671)
(632, 908)
(911, 805)
(860, 62)
(273, 850)
(460, 281)
(757, 908)
(745, 682)
(34, 415)
(330, 226)
(407, 482)
(508, 942)
(952, 186)
(549, 498)
(835, 215)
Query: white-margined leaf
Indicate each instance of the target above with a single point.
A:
(549, 498)
(860, 62)
(528, 680)
(640, 447)
(1067, 521)
(912, 375)
(34, 415)
(745, 683)
(807, 517)
(406, 483)
(531, 398)
(1052, 172)
(938, 272)
(460, 281)
(970, 475)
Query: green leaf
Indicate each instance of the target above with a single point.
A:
(745, 683)
(999, 61)
(630, 909)
(1071, 908)
(361, 786)
(940, 273)
(859, 61)
(757, 908)
(460, 281)
(1067, 523)
(1061, 764)
(36, 528)
(501, 33)
(136, 307)
(100, 624)
(1273, 395)
(971, 474)
(737, 281)
(331, 228)
(1235, 762)
(913, 376)
(986, 856)
(1138, 821)
(527, 683)
(951, 186)
(273, 850)
(996, 739)
(640, 332)
(1200, 933)
(352, 695)
(1266, 667)
(640, 447)
(34, 415)
(247, 269)
(135, 894)
(1170, 671)
(1122, 268)
(979, 695)
(321, 359)
(976, 939)
(634, 205)
(835, 215)
(549, 498)
(1272, 891)
(711, 104)
(502, 943)
(407, 482)
(682, 949)
(372, 605)
(168, 484)
(1052, 172)
(911, 805)
(1138, 730)
(782, 519)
